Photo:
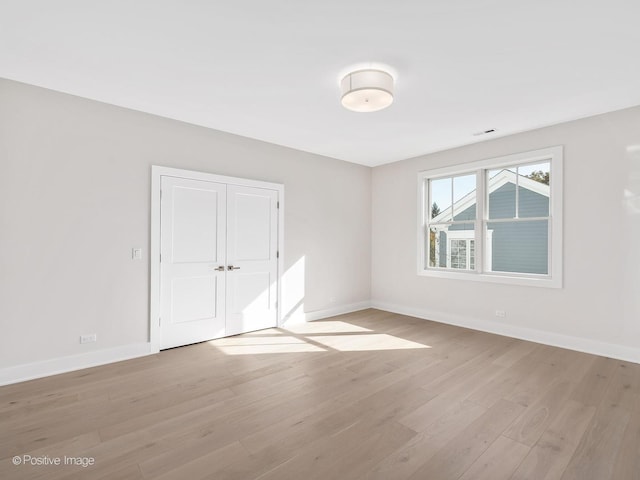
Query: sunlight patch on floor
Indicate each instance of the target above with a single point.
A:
(313, 337)
(361, 343)
(325, 327)
(253, 345)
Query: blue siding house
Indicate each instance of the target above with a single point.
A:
(513, 245)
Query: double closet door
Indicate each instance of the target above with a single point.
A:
(218, 264)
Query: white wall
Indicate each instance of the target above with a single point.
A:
(598, 309)
(75, 198)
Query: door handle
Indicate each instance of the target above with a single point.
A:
(220, 268)
(231, 267)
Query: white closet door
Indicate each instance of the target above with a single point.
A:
(252, 265)
(192, 268)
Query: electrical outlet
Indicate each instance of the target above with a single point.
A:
(501, 313)
(136, 253)
(88, 338)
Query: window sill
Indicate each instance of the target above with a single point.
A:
(525, 280)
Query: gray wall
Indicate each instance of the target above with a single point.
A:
(75, 198)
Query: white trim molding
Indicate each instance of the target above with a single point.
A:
(55, 366)
(333, 311)
(585, 345)
(300, 316)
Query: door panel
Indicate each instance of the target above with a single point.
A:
(195, 226)
(192, 299)
(193, 245)
(252, 234)
(250, 292)
(252, 224)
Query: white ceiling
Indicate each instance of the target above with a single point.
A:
(270, 69)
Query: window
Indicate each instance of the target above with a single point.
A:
(496, 220)
(462, 248)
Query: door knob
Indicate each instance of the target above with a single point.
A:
(231, 267)
(220, 268)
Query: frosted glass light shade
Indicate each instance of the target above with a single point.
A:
(367, 90)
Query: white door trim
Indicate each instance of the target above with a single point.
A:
(157, 172)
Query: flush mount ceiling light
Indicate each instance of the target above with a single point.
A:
(367, 90)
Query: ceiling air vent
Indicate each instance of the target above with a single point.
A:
(484, 132)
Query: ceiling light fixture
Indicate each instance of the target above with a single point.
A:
(367, 90)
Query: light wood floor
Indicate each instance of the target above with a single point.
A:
(369, 395)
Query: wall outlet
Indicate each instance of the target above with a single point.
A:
(136, 253)
(501, 313)
(88, 338)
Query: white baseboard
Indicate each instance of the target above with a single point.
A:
(45, 368)
(29, 371)
(620, 352)
(340, 310)
(300, 317)
(21, 373)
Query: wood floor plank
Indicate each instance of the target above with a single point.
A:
(624, 387)
(217, 426)
(595, 456)
(549, 457)
(535, 385)
(498, 462)
(344, 454)
(403, 462)
(161, 468)
(593, 386)
(505, 382)
(515, 352)
(369, 395)
(462, 451)
(536, 418)
(571, 365)
(427, 414)
(627, 462)
(331, 416)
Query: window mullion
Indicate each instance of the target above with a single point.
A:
(427, 228)
(479, 221)
(452, 196)
(516, 213)
(518, 220)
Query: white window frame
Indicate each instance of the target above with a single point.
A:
(554, 155)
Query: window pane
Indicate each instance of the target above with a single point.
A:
(472, 254)
(520, 247)
(501, 192)
(440, 208)
(459, 253)
(438, 246)
(533, 192)
(450, 246)
(464, 197)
